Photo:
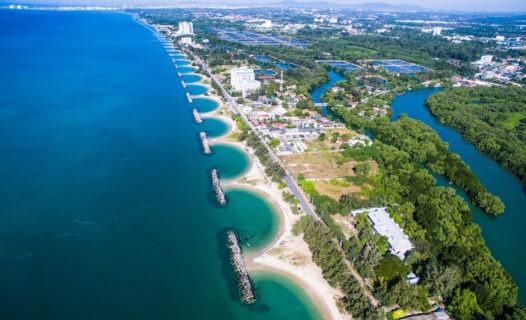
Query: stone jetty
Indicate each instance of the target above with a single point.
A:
(189, 97)
(204, 142)
(246, 287)
(183, 84)
(179, 74)
(197, 116)
(220, 194)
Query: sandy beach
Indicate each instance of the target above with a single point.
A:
(287, 254)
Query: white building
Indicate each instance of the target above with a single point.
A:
(437, 31)
(488, 75)
(243, 79)
(261, 23)
(486, 59)
(185, 28)
(186, 40)
(384, 225)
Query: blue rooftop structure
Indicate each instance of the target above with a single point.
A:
(257, 39)
(341, 64)
(400, 66)
(267, 72)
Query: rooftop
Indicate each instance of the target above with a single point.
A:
(384, 225)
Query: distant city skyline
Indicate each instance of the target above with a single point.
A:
(454, 5)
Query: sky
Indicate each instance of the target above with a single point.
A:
(461, 5)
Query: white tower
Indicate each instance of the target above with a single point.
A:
(281, 83)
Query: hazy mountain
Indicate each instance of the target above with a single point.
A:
(373, 6)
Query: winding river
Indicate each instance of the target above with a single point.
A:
(504, 235)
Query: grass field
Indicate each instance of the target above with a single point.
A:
(513, 120)
(319, 165)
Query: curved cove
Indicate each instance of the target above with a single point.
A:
(182, 62)
(205, 105)
(280, 298)
(185, 69)
(178, 56)
(252, 217)
(191, 78)
(229, 161)
(196, 89)
(214, 127)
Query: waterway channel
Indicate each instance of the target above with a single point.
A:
(319, 91)
(504, 235)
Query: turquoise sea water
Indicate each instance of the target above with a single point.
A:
(107, 207)
(504, 235)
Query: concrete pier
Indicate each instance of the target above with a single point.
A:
(189, 97)
(183, 83)
(197, 116)
(220, 194)
(204, 142)
(246, 287)
(179, 74)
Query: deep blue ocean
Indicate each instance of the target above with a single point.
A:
(107, 210)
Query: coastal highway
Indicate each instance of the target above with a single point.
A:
(305, 204)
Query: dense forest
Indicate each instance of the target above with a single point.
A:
(450, 252)
(425, 146)
(450, 255)
(493, 119)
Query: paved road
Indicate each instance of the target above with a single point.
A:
(306, 205)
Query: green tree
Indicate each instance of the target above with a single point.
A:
(287, 196)
(390, 267)
(274, 142)
(362, 169)
(489, 202)
(464, 305)
(304, 104)
(441, 279)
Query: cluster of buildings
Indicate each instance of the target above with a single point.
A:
(261, 24)
(184, 34)
(505, 70)
(436, 31)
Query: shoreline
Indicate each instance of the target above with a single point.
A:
(316, 288)
(255, 180)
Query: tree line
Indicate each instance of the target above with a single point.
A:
(327, 255)
(425, 146)
(493, 119)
